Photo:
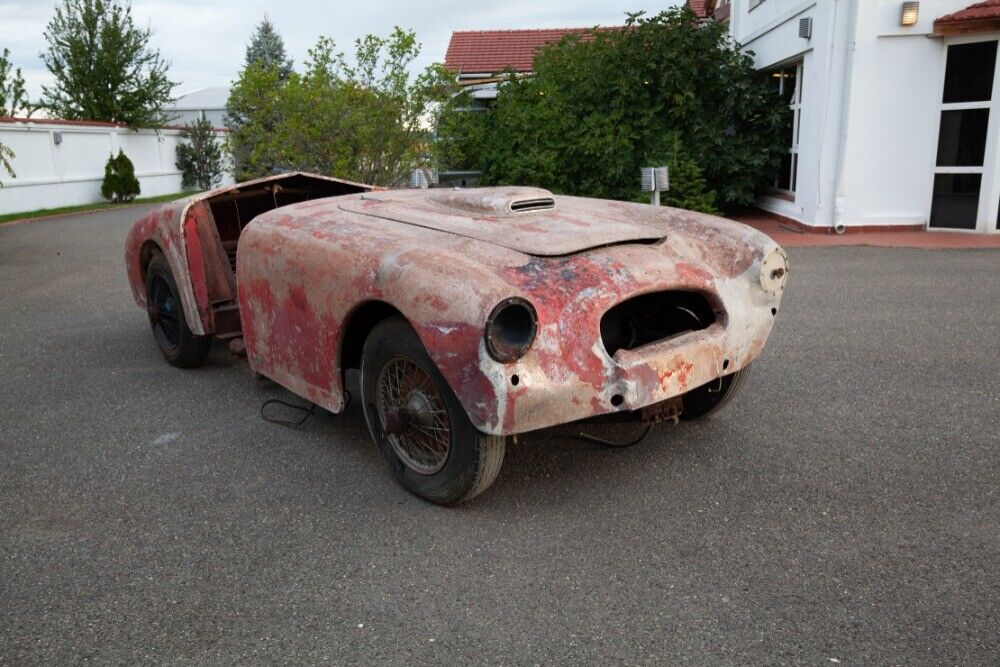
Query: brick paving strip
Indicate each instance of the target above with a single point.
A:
(788, 234)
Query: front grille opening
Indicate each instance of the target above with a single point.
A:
(538, 204)
(652, 318)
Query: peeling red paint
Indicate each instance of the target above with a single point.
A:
(446, 258)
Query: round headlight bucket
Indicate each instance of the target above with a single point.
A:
(510, 330)
(774, 270)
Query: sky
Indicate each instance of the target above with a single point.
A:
(205, 40)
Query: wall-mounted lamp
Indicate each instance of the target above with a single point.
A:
(909, 13)
(57, 137)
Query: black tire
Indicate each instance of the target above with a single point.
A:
(471, 460)
(179, 345)
(712, 397)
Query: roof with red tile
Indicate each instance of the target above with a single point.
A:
(490, 51)
(700, 8)
(979, 11)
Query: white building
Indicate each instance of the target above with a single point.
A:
(896, 108)
(207, 103)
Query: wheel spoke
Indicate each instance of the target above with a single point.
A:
(425, 443)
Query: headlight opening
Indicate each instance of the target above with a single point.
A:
(510, 330)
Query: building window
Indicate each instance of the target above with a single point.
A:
(962, 135)
(788, 82)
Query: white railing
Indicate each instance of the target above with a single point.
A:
(61, 163)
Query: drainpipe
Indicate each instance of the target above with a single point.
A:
(834, 216)
(840, 200)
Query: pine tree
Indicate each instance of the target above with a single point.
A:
(267, 49)
(103, 66)
(200, 157)
(688, 187)
(266, 60)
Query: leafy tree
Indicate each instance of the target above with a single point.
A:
(267, 49)
(103, 66)
(251, 110)
(391, 107)
(364, 122)
(120, 183)
(200, 158)
(13, 98)
(597, 108)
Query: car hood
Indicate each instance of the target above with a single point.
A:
(527, 220)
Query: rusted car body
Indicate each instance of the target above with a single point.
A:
(630, 305)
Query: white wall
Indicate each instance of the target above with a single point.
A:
(871, 105)
(770, 31)
(51, 175)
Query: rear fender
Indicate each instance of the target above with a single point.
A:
(161, 227)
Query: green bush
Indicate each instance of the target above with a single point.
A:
(120, 183)
(597, 108)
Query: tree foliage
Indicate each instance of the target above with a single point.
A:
(267, 49)
(120, 183)
(363, 121)
(103, 66)
(251, 110)
(688, 187)
(252, 114)
(597, 108)
(199, 156)
(6, 155)
(13, 98)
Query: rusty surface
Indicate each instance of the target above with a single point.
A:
(665, 411)
(445, 259)
(183, 230)
(303, 271)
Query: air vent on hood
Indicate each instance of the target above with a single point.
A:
(536, 204)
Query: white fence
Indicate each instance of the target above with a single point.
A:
(61, 163)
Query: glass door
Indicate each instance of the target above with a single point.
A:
(962, 174)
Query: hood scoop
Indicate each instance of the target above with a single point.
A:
(536, 204)
(493, 202)
(527, 220)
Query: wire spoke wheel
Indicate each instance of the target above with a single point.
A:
(413, 415)
(166, 319)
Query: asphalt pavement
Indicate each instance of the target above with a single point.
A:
(843, 508)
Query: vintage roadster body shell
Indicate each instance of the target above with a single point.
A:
(310, 274)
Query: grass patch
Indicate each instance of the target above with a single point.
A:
(44, 212)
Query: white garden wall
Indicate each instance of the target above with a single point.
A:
(61, 163)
